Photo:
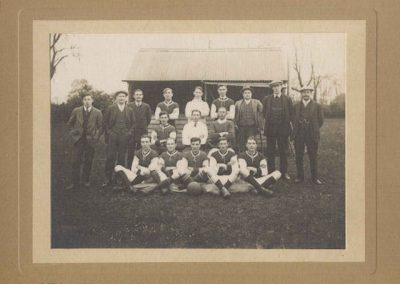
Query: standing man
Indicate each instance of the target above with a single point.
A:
(142, 113)
(248, 116)
(308, 119)
(86, 126)
(169, 106)
(194, 129)
(278, 115)
(222, 128)
(223, 101)
(119, 125)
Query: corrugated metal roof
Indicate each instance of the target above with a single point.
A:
(236, 64)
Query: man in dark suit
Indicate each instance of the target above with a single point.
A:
(248, 116)
(86, 126)
(278, 114)
(308, 119)
(119, 125)
(142, 112)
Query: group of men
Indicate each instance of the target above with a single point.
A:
(134, 156)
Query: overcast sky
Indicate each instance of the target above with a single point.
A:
(105, 59)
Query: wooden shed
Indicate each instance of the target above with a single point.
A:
(152, 70)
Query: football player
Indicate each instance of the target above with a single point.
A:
(223, 167)
(254, 170)
(161, 133)
(140, 170)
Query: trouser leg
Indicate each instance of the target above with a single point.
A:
(271, 146)
(282, 148)
(77, 156)
(111, 153)
(122, 149)
(132, 147)
(312, 149)
(87, 165)
(299, 150)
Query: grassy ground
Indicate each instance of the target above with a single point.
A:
(300, 216)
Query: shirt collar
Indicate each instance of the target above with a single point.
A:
(172, 154)
(121, 108)
(223, 99)
(221, 120)
(252, 156)
(138, 104)
(194, 155)
(145, 153)
(277, 95)
(306, 103)
(87, 109)
(167, 104)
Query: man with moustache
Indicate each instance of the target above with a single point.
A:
(308, 119)
(278, 115)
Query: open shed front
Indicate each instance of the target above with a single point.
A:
(152, 70)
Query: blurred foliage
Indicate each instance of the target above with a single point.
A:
(336, 108)
(79, 88)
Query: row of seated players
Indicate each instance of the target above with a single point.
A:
(221, 168)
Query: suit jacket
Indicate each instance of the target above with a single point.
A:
(287, 114)
(110, 118)
(94, 126)
(142, 118)
(257, 111)
(316, 119)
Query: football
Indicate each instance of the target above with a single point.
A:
(194, 188)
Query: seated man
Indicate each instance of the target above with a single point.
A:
(254, 170)
(165, 167)
(192, 167)
(194, 162)
(194, 129)
(161, 133)
(222, 128)
(224, 167)
(140, 170)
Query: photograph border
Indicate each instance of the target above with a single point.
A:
(355, 135)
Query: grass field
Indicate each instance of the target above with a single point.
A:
(300, 216)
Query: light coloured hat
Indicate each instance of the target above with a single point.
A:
(306, 88)
(275, 82)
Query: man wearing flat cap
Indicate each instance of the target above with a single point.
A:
(308, 119)
(248, 116)
(278, 114)
(119, 125)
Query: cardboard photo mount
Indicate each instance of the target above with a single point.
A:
(24, 258)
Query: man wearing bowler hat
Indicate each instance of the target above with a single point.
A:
(248, 116)
(278, 114)
(308, 119)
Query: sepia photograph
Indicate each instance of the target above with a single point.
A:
(198, 140)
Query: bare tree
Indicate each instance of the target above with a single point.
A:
(58, 54)
(314, 80)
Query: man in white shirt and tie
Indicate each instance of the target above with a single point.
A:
(194, 128)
